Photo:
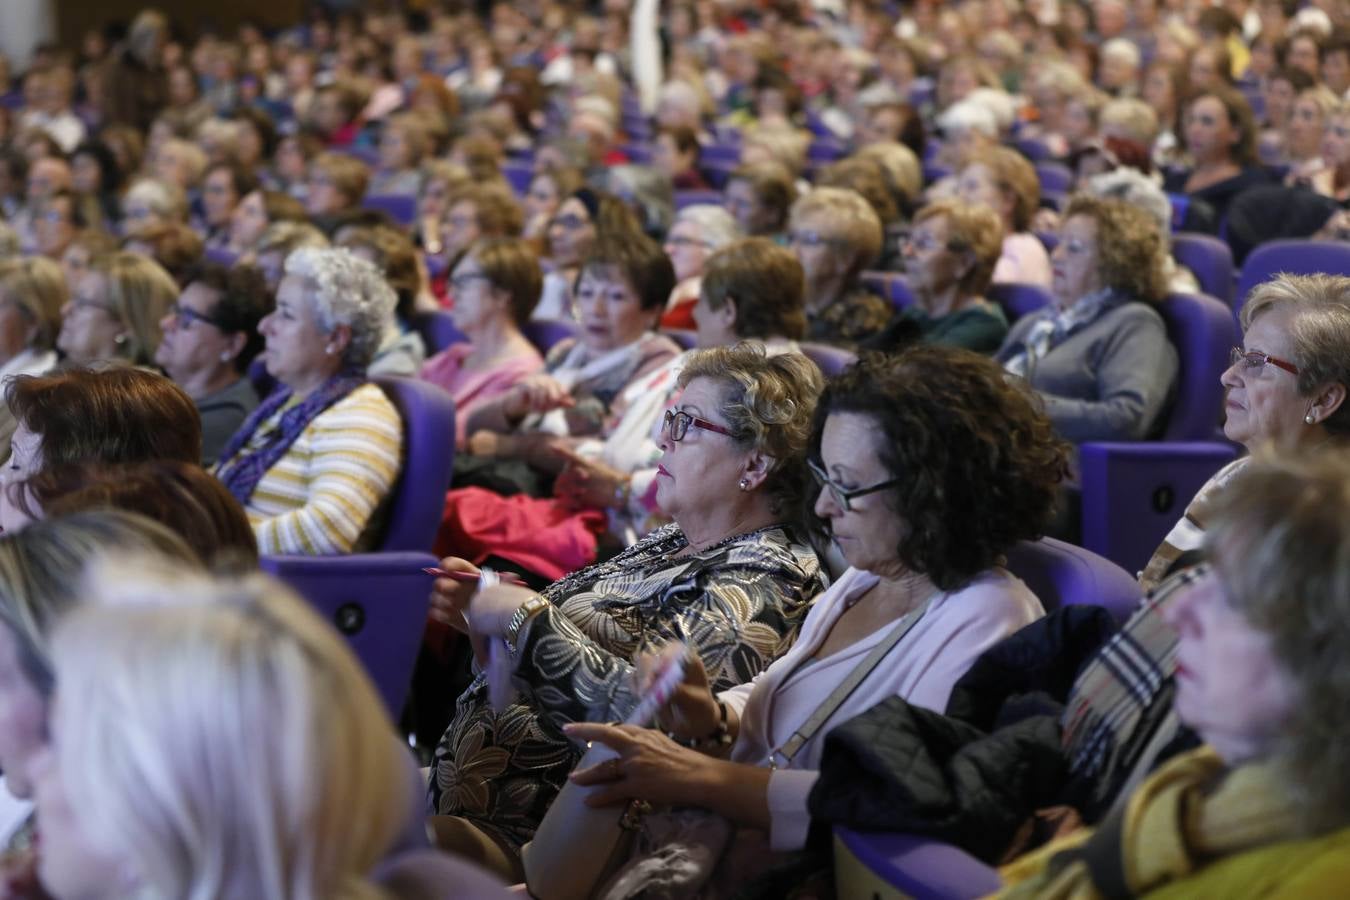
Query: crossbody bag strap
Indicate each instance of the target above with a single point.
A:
(780, 758)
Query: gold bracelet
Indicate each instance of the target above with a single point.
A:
(523, 614)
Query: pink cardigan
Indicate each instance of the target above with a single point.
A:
(471, 389)
(922, 668)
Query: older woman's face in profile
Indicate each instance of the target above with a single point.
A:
(571, 233)
(17, 330)
(295, 350)
(699, 472)
(609, 309)
(687, 250)
(1074, 261)
(868, 533)
(929, 265)
(1230, 686)
(1263, 403)
(89, 327)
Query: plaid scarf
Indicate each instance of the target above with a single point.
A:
(241, 471)
(1053, 325)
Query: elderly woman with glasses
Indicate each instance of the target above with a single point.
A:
(583, 220)
(698, 231)
(1286, 388)
(931, 466)
(210, 337)
(115, 311)
(836, 235)
(732, 577)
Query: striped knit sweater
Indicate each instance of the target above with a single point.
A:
(322, 496)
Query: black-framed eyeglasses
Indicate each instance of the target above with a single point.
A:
(1255, 359)
(844, 497)
(677, 423)
(185, 316)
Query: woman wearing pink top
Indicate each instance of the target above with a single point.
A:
(1004, 181)
(931, 466)
(496, 286)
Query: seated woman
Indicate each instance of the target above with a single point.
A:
(74, 416)
(256, 212)
(698, 230)
(1336, 154)
(932, 466)
(114, 311)
(585, 218)
(280, 816)
(315, 462)
(759, 197)
(1286, 388)
(836, 235)
(731, 577)
(210, 338)
(1263, 808)
(950, 254)
(497, 285)
(32, 292)
(402, 351)
(1220, 135)
(1004, 181)
(1307, 127)
(1100, 358)
(548, 189)
(404, 144)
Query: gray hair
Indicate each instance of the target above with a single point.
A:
(1122, 49)
(162, 198)
(347, 290)
(972, 115)
(649, 189)
(1136, 189)
(716, 226)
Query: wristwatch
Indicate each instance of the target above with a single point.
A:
(523, 614)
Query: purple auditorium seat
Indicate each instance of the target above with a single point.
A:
(710, 153)
(824, 151)
(1033, 149)
(1054, 176)
(1018, 300)
(221, 255)
(544, 333)
(378, 601)
(438, 330)
(418, 499)
(519, 176)
(1296, 257)
(639, 154)
(892, 286)
(364, 152)
(694, 198)
(1055, 200)
(1063, 574)
(716, 172)
(935, 172)
(831, 360)
(402, 208)
(1134, 492)
(877, 864)
(1210, 259)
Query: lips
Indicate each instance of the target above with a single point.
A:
(662, 470)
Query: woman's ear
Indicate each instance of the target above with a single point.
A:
(726, 316)
(235, 346)
(758, 466)
(1328, 400)
(339, 339)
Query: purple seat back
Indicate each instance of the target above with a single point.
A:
(1295, 257)
(438, 330)
(1210, 259)
(544, 333)
(518, 175)
(727, 153)
(915, 867)
(402, 208)
(694, 198)
(364, 152)
(824, 151)
(1018, 300)
(831, 360)
(418, 498)
(1202, 330)
(1065, 575)
(1054, 176)
(1033, 149)
(221, 255)
(890, 285)
(378, 601)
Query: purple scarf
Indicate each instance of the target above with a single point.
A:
(241, 473)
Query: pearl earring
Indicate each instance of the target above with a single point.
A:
(329, 350)
(745, 484)
(120, 340)
(225, 357)
(1310, 419)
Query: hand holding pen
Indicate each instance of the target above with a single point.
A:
(456, 581)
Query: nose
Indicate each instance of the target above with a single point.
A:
(1180, 612)
(826, 506)
(169, 321)
(265, 325)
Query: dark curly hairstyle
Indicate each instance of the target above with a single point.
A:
(980, 460)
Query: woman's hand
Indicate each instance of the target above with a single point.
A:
(692, 712)
(493, 445)
(650, 767)
(450, 597)
(587, 483)
(490, 609)
(536, 394)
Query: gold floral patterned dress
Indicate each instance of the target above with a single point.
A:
(738, 605)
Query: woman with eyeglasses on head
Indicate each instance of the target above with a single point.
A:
(931, 466)
(1286, 388)
(731, 577)
(698, 231)
(496, 286)
(210, 337)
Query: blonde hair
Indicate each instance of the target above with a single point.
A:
(1012, 173)
(847, 217)
(169, 674)
(349, 175)
(415, 134)
(140, 293)
(38, 288)
(162, 198)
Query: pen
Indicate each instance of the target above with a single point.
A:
(506, 577)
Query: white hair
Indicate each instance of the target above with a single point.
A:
(166, 200)
(716, 226)
(222, 739)
(595, 105)
(1124, 50)
(1137, 189)
(967, 114)
(998, 102)
(347, 290)
(683, 94)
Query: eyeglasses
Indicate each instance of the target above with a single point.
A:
(841, 496)
(809, 239)
(570, 223)
(185, 316)
(464, 279)
(1255, 359)
(677, 424)
(686, 242)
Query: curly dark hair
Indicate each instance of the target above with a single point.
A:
(980, 460)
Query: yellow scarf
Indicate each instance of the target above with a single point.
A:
(1187, 815)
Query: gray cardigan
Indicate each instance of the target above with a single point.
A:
(1108, 381)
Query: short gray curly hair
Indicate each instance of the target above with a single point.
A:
(347, 290)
